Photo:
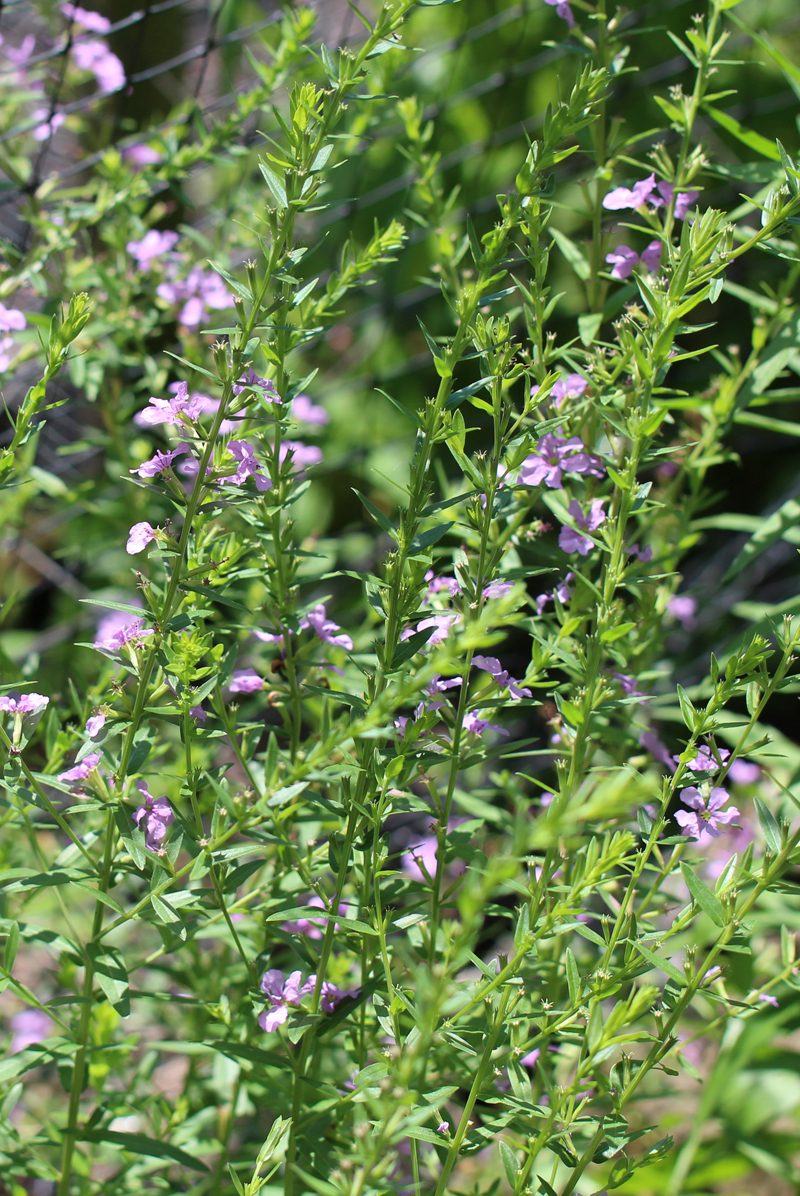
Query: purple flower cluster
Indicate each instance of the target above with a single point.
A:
(249, 466)
(555, 454)
(200, 292)
(93, 55)
(282, 994)
(27, 704)
(570, 540)
(658, 195)
(181, 408)
(155, 816)
(153, 245)
(623, 259)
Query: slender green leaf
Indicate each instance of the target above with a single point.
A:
(702, 895)
(139, 1144)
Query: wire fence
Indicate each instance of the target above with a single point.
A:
(197, 74)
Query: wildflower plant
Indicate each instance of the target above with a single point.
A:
(218, 822)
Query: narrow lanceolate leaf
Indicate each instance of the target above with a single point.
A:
(762, 145)
(662, 964)
(708, 901)
(139, 1144)
(769, 825)
(772, 529)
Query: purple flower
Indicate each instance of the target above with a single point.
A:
(28, 1027)
(701, 819)
(571, 387)
(141, 155)
(705, 760)
(139, 537)
(11, 319)
(684, 609)
(200, 291)
(331, 995)
(6, 345)
(683, 200)
(249, 465)
(642, 554)
(117, 629)
(317, 621)
(95, 724)
(301, 455)
(553, 454)
(651, 256)
(532, 1058)
(20, 55)
(743, 772)
(562, 592)
(570, 540)
(268, 637)
(161, 462)
(441, 624)
(80, 772)
(436, 686)
(476, 724)
(492, 665)
(96, 57)
(498, 589)
(769, 999)
(658, 750)
(27, 704)
(93, 21)
(198, 714)
(438, 584)
(50, 122)
(622, 259)
(443, 1127)
(421, 859)
(306, 412)
(246, 681)
(156, 814)
(182, 408)
(628, 686)
(153, 244)
(623, 197)
(314, 927)
(282, 995)
(252, 381)
(563, 10)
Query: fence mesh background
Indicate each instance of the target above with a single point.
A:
(476, 67)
